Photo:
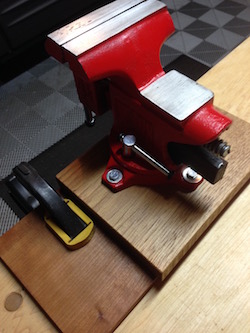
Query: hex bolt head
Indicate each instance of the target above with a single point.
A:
(114, 176)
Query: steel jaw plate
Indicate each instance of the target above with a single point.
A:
(102, 24)
(177, 94)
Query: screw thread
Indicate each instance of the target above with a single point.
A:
(219, 147)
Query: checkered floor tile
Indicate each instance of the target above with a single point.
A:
(41, 106)
(38, 108)
(8, 217)
(206, 30)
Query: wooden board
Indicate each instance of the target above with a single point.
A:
(158, 224)
(210, 291)
(88, 290)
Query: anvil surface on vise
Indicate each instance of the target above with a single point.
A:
(166, 129)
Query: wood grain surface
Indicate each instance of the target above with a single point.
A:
(230, 82)
(210, 290)
(88, 290)
(158, 223)
(29, 317)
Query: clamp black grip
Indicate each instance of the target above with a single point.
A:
(20, 193)
(58, 210)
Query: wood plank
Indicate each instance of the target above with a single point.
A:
(210, 290)
(229, 80)
(29, 317)
(91, 289)
(213, 278)
(159, 224)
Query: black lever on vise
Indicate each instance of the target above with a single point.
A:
(58, 210)
(203, 161)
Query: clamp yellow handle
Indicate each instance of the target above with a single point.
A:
(82, 238)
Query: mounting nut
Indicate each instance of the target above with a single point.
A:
(114, 176)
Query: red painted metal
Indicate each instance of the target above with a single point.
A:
(130, 61)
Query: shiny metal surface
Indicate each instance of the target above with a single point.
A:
(191, 176)
(219, 147)
(113, 26)
(91, 20)
(129, 141)
(114, 176)
(177, 94)
(151, 160)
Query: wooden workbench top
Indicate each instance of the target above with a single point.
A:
(209, 290)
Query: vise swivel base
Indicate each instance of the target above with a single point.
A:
(165, 128)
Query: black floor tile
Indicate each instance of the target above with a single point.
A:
(208, 53)
(231, 7)
(188, 66)
(200, 29)
(194, 9)
(22, 61)
(238, 26)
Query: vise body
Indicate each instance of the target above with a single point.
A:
(165, 127)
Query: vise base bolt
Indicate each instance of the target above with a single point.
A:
(114, 176)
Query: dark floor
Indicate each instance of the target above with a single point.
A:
(41, 119)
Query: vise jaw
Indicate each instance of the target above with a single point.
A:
(165, 128)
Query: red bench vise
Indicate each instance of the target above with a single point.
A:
(165, 128)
